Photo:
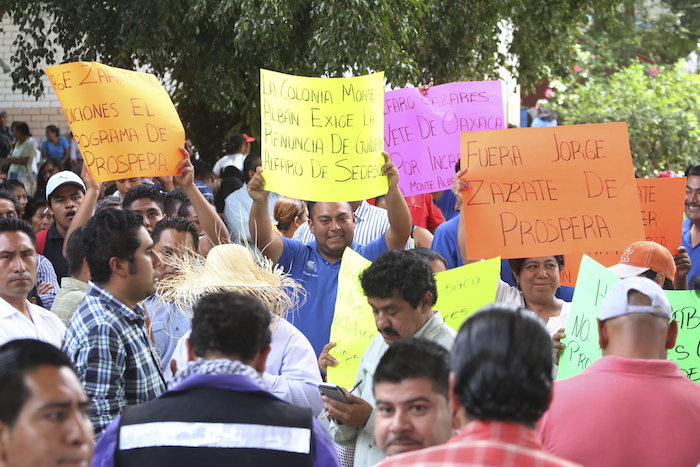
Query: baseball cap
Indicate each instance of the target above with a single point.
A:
(616, 301)
(62, 178)
(248, 139)
(641, 257)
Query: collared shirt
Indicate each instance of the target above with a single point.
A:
(625, 411)
(693, 251)
(445, 242)
(291, 369)
(237, 213)
(68, 298)
(366, 452)
(484, 444)
(53, 250)
(44, 326)
(45, 273)
(108, 344)
(235, 160)
(371, 223)
(319, 278)
(323, 451)
(168, 325)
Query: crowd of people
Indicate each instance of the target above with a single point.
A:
(187, 320)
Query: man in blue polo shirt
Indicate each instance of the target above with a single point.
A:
(316, 265)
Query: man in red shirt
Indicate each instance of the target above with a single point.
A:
(632, 406)
(502, 379)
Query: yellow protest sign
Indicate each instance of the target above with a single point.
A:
(123, 121)
(463, 290)
(322, 138)
(353, 326)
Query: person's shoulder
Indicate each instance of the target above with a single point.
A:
(47, 315)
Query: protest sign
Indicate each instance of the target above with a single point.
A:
(124, 122)
(421, 133)
(661, 203)
(463, 290)
(353, 326)
(545, 191)
(322, 137)
(581, 328)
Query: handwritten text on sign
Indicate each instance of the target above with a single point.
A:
(463, 290)
(353, 326)
(322, 137)
(544, 191)
(661, 201)
(421, 133)
(581, 340)
(123, 121)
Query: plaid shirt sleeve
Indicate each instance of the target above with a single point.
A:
(46, 273)
(101, 364)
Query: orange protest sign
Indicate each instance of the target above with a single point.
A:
(123, 121)
(544, 191)
(661, 202)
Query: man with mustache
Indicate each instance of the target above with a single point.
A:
(20, 319)
(401, 289)
(65, 192)
(691, 226)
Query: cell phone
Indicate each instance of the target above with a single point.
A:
(333, 391)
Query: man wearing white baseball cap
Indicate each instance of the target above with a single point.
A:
(654, 261)
(632, 406)
(65, 192)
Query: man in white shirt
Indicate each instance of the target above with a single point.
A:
(20, 319)
(237, 147)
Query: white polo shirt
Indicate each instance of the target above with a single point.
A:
(14, 325)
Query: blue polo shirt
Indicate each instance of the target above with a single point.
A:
(320, 280)
(445, 242)
(694, 253)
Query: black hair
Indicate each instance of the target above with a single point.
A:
(40, 182)
(234, 143)
(144, 191)
(430, 255)
(228, 186)
(110, 233)
(516, 264)
(412, 359)
(11, 184)
(232, 171)
(108, 201)
(9, 195)
(53, 129)
(75, 253)
(202, 170)
(184, 207)
(171, 199)
(33, 205)
(692, 170)
(407, 273)
(22, 127)
(230, 324)
(668, 285)
(17, 358)
(502, 362)
(178, 224)
(250, 163)
(15, 224)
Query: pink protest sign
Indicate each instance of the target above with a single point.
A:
(421, 133)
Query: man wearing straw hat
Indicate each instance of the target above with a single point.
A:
(317, 264)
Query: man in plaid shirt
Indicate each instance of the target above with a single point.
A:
(502, 379)
(106, 338)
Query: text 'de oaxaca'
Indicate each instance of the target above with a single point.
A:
(544, 191)
(322, 138)
(123, 121)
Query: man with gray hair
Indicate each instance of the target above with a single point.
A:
(633, 406)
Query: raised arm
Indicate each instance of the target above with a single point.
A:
(397, 210)
(85, 211)
(259, 223)
(212, 224)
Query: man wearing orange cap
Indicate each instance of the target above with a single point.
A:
(649, 259)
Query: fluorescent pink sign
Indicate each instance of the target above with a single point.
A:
(421, 133)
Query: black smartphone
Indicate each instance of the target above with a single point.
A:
(333, 391)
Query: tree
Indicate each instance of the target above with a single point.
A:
(212, 50)
(660, 105)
